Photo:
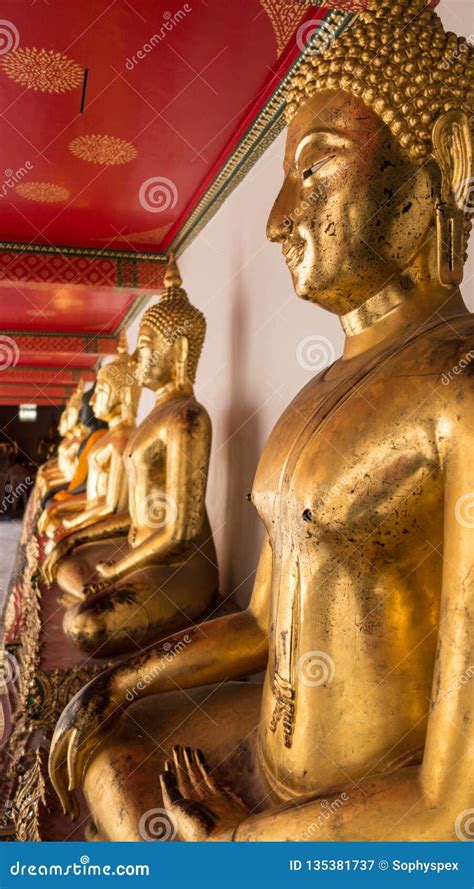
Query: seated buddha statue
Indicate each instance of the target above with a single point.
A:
(58, 471)
(114, 401)
(73, 460)
(362, 609)
(131, 591)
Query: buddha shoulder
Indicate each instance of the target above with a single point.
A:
(180, 412)
(443, 352)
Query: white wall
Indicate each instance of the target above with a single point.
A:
(249, 370)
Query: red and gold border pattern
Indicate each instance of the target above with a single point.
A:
(29, 265)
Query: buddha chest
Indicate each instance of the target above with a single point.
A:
(350, 490)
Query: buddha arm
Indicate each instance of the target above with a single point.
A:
(225, 648)
(416, 803)
(106, 506)
(113, 526)
(229, 647)
(182, 503)
(63, 507)
(73, 503)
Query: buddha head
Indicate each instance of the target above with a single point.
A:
(69, 418)
(171, 337)
(378, 162)
(116, 391)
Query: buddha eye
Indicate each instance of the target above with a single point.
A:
(315, 167)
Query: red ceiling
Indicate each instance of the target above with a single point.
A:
(180, 109)
(116, 117)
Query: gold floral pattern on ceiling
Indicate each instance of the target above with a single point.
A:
(43, 192)
(284, 18)
(102, 149)
(43, 70)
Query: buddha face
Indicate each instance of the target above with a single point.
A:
(354, 210)
(68, 419)
(103, 400)
(155, 358)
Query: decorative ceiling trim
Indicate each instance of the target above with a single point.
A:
(93, 252)
(88, 343)
(46, 374)
(262, 132)
(124, 272)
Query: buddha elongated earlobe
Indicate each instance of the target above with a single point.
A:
(450, 244)
(128, 414)
(182, 348)
(452, 149)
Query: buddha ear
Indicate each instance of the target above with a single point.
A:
(182, 350)
(452, 150)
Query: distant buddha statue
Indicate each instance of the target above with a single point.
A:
(114, 401)
(56, 474)
(363, 604)
(166, 574)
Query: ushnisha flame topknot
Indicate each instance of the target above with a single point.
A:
(402, 63)
(174, 316)
(120, 372)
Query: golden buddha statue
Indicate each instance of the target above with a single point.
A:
(59, 470)
(166, 575)
(114, 401)
(362, 607)
(73, 456)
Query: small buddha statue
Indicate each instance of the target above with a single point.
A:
(73, 462)
(59, 470)
(165, 575)
(115, 401)
(362, 609)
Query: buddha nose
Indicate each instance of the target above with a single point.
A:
(280, 221)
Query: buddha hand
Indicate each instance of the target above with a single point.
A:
(200, 809)
(88, 718)
(44, 519)
(50, 565)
